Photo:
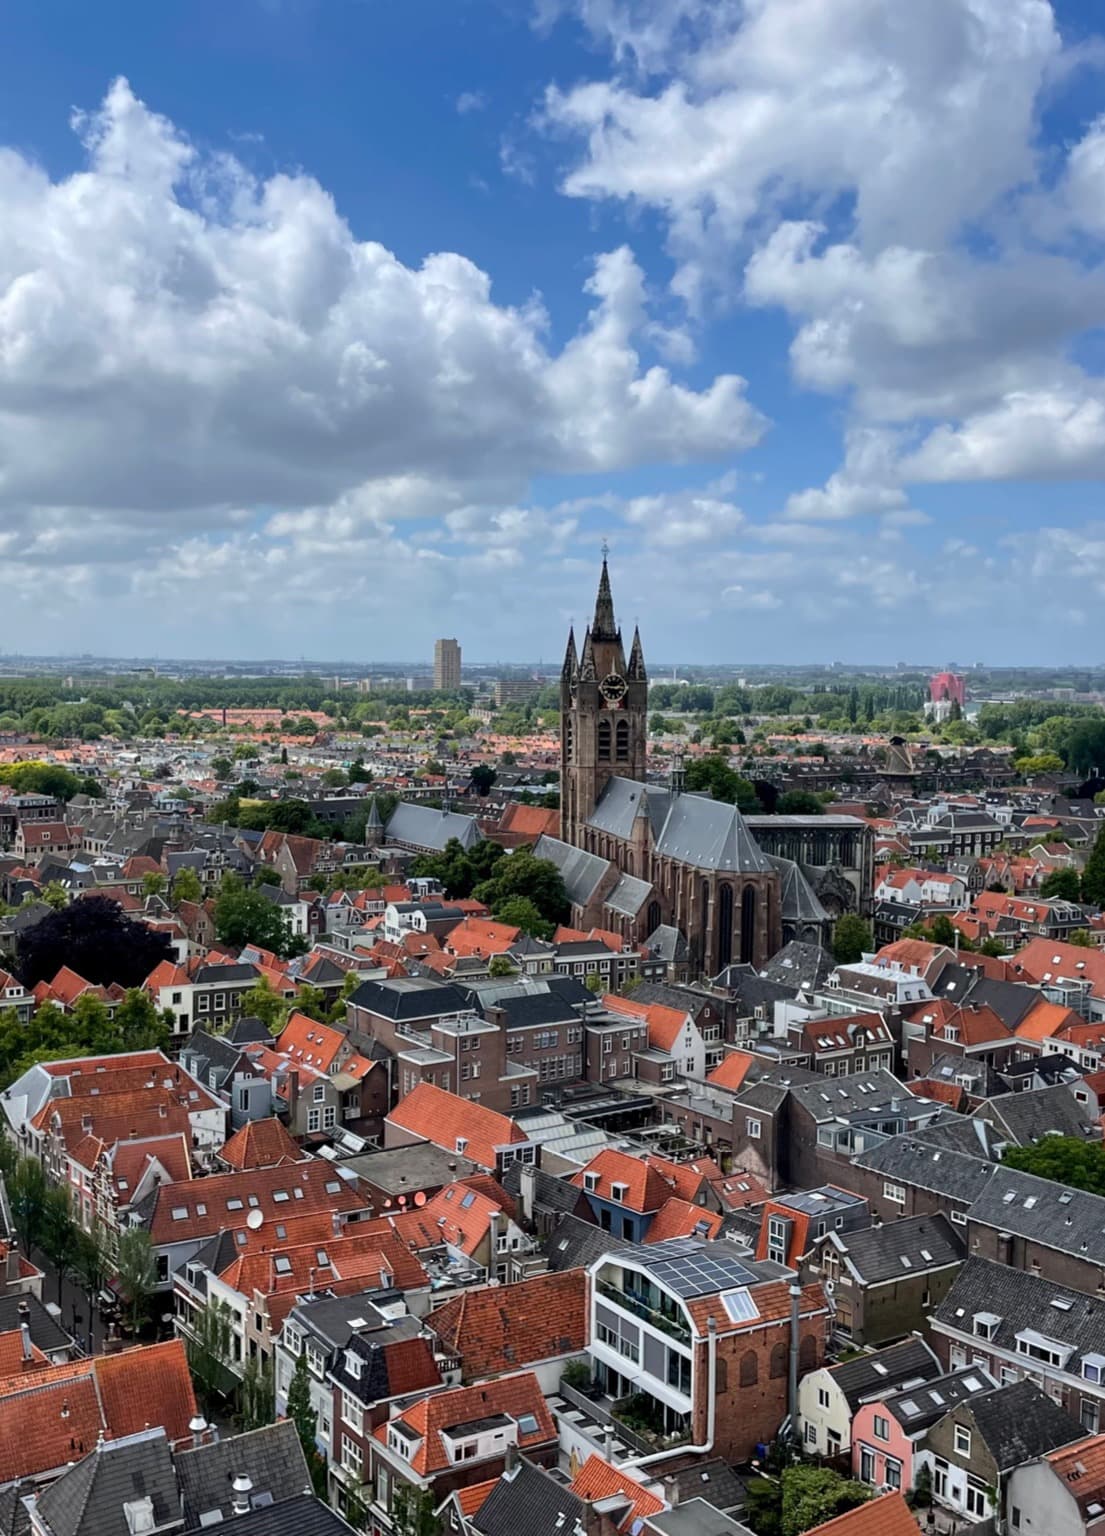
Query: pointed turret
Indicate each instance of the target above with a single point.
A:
(604, 627)
(373, 826)
(571, 660)
(587, 671)
(637, 671)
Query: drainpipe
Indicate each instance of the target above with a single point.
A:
(711, 1410)
(792, 1384)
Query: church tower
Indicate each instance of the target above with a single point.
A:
(603, 714)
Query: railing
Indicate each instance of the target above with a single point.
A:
(674, 1327)
(604, 1419)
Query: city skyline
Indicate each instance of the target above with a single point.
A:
(795, 305)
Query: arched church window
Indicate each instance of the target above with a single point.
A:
(748, 924)
(724, 926)
(622, 741)
(604, 741)
(653, 916)
(750, 1368)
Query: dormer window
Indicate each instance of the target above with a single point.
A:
(618, 1192)
(986, 1325)
(590, 1182)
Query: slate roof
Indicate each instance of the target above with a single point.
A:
(919, 1408)
(1027, 1206)
(528, 1499)
(712, 1480)
(909, 1160)
(1030, 1115)
(409, 998)
(576, 1244)
(45, 1333)
(272, 1458)
(1022, 1301)
(628, 896)
(900, 1248)
(871, 1376)
(708, 834)
(88, 1498)
(426, 827)
(1020, 1423)
(799, 965)
(751, 990)
(550, 1193)
(302, 1516)
(798, 902)
(581, 872)
(824, 1098)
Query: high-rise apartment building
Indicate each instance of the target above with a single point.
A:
(446, 665)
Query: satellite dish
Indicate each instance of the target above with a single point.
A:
(254, 1220)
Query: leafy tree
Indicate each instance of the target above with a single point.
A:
(208, 1348)
(186, 885)
(27, 1198)
(305, 1419)
(1082, 938)
(244, 916)
(799, 802)
(334, 778)
(1038, 762)
(136, 1271)
(812, 1495)
(714, 776)
(413, 1511)
(500, 965)
(943, 931)
(256, 1395)
(266, 875)
(520, 912)
(595, 984)
(57, 1238)
(1063, 883)
(1067, 1160)
(483, 776)
(153, 884)
(95, 937)
(91, 1262)
(851, 939)
(1093, 876)
(55, 895)
(992, 947)
(221, 767)
(314, 1002)
(522, 874)
(261, 1002)
(38, 778)
(140, 1026)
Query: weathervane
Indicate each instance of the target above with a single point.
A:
(605, 548)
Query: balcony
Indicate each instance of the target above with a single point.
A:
(674, 1327)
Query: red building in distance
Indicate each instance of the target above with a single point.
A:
(948, 686)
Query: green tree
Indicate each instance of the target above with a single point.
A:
(501, 965)
(140, 1026)
(1093, 876)
(595, 984)
(812, 1495)
(266, 875)
(136, 1271)
(91, 1263)
(1063, 883)
(261, 1002)
(413, 1511)
(55, 895)
(305, 1419)
(1082, 938)
(943, 931)
(244, 916)
(58, 1236)
(712, 775)
(799, 802)
(256, 1395)
(520, 912)
(27, 1198)
(153, 884)
(521, 874)
(186, 885)
(221, 768)
(851, 939)
(208, 1347)
(1065, 1159)
(483, 776)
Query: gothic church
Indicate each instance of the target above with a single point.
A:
(654, 862)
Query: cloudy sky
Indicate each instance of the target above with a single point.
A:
(329, 326)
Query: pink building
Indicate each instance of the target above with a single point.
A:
(888, 1436)
(950, 686)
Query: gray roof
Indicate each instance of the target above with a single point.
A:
(88, 1498)
(799, 965)
(399, 1170)
(549, 1192)
(1019, 1300)
(753, 990)
(918, 1408)
(686, 999)
(45, 1333)
(712, 1480)
(908, 1160)
(628, 896)
(710, 835)
(796, 894)
(575, 1244)
(410, 998)
(668, 943)
(528, 1499)
(14, 1519)
(696, 1517)
(426, 827)
(871, 1376)
(1020, 1423)
(824, 1097)
(581, 872)
(1068, 1220)
(1028, 1116)
(623, 800)
(900, 1248)
(302, 1516)
(272, 1458)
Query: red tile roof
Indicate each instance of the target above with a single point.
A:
(597, 1479)
(679, 1218)
(311, 1185)
(732, 1070)
(53, 1416)
(513, 1395)
(444, 1119)
(482, 937)
(646, 1189)
(772, 1302)
(260, 1144)
(1081, 1468)
(498, 1329)
(303, 1039)
(665, 1025)
(886, 1516)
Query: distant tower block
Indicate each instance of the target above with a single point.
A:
(948, 687)
(446, 666)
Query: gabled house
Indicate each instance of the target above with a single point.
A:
(1061, 1494)
(888, 1435)
(538, 1324)
(829, 1398)
(886, 1279)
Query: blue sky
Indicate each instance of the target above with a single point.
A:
(328, 326)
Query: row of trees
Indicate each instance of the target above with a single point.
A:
(89, 1029)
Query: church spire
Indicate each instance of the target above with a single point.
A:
(604, 627)
(571, 661)
(587, 670)
(637, 671)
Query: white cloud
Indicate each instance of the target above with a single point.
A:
(471, 101)
(178, 337)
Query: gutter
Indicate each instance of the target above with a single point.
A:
(711, 1411)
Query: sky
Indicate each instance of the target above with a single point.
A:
(331, 326)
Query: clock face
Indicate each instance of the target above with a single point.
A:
(613, 688)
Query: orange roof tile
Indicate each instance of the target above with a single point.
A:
(732, 1070)
(646, 1189)
(886, 1516)
(445, 1119)
(311, 1185)
(514, 1395)
(597, 1479)
(496, 1330)
(260, 1144)
(679, 1218)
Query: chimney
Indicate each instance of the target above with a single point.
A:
(241, 1488)
(335, 1222)
(607, 1441)
(25, 1333)
(792, 1384)
(528, 1190)
(196, 1426)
